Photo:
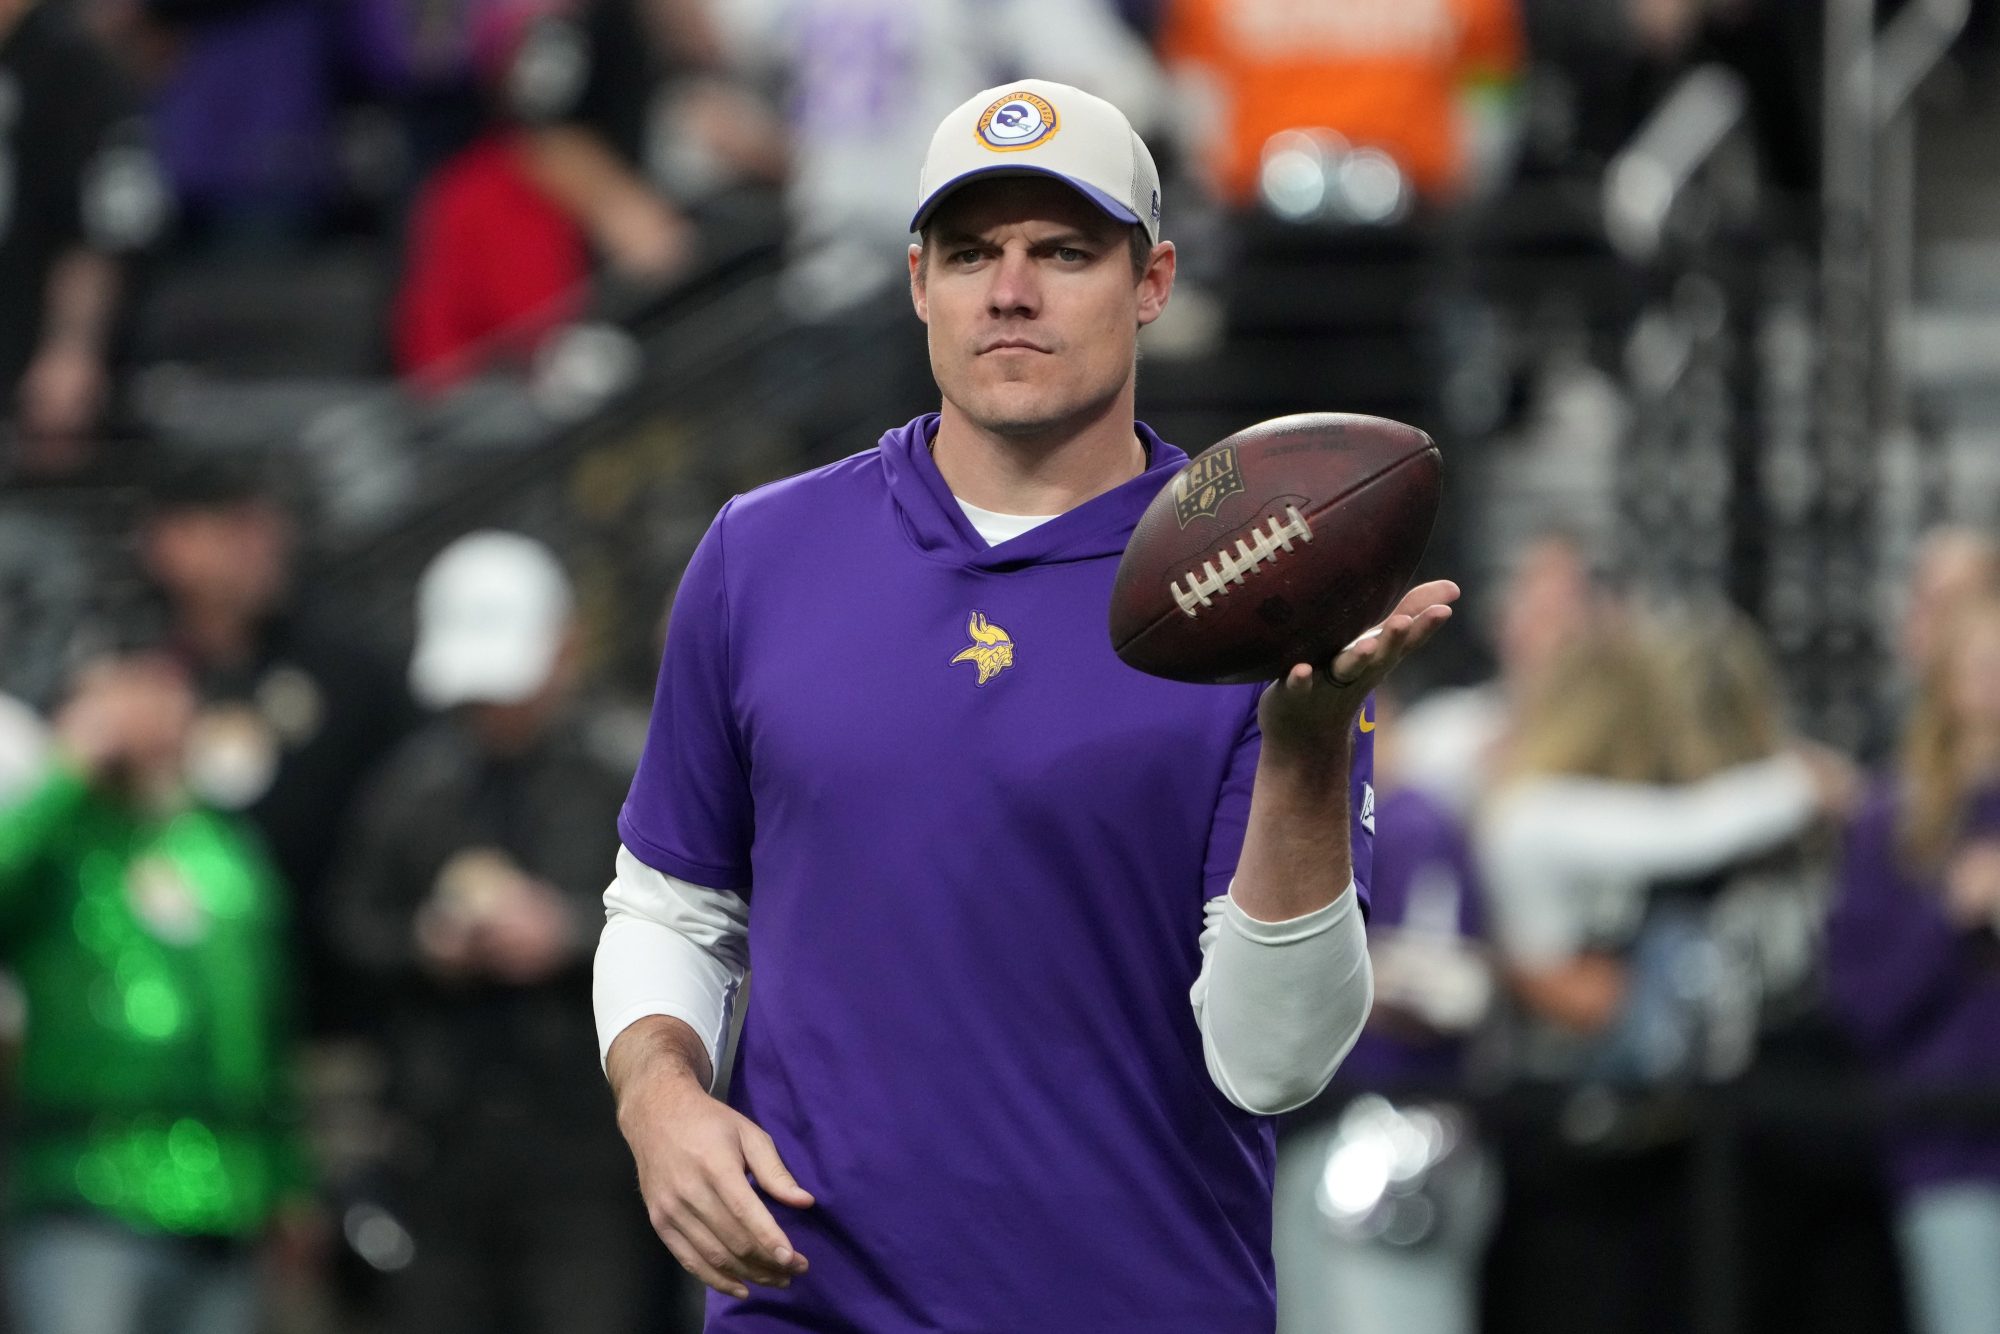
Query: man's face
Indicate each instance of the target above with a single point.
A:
(227, 557)
(1952, 568)
(1549, 598)
(1032, 305)
(1974, 665)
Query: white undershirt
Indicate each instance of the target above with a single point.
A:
(1279, 1004)
(996, 527)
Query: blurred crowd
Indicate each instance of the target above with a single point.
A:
(514, 166)
(297, 924)
(1615, 876)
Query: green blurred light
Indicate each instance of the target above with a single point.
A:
(96, 924)
(151, 1007)
(97, 1178)
(192, 1146)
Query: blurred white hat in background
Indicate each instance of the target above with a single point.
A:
(492, 611)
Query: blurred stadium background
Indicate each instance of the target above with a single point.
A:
(1700, 297)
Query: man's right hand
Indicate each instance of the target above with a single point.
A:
(126, 713)
(695, 1156)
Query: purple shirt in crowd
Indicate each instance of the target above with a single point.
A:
(1423, 851)
(1922, 995)
(977, 847)
(247, 118)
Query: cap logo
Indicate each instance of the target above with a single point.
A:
(1018, 120)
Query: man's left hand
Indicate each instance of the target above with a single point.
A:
(527, 937)
(1314, 703)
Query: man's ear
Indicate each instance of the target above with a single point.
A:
(1156, 284)
(918, 297)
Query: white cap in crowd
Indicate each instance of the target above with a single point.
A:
(492, 611)
(1037, 128)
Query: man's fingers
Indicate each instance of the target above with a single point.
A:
(1438, 592)
(769, 1169)
(1388, 643)
(692, 1260)
(752, 1256)
(761, 1232)
(694, 1229)
(1377, 645)
(1424, 626)
(1417, 616)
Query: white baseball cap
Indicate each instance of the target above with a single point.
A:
(1038, 128)
(492, 611)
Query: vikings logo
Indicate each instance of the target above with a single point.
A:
(991, 649)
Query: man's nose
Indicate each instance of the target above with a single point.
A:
(1015, 290)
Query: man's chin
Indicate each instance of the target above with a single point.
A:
(1022, 428)
(1026, 419)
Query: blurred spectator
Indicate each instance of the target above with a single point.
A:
(1425, 83)
(156, 1140)
(1764, 914)
(471, 900)
(1914, 963)
(1955, 564)
(1353, 1254)
(247, 108)
(494, 263)
(293, 711)
(1452, 738)
(1592, 827)
(631, 127)
(1595, 811)
(78, 195)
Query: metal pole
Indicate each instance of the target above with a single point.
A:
(1841, 696)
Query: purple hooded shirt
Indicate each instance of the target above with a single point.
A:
(1922, 995)
(976, 847)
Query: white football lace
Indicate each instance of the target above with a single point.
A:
(1231, 564)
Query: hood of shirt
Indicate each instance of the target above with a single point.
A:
(937, 526)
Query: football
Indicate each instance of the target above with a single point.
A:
(1277, 546)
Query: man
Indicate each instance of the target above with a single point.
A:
(468, 900)
(893, 754)
(158, 1138)
(294, 710)
(1452, 739)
